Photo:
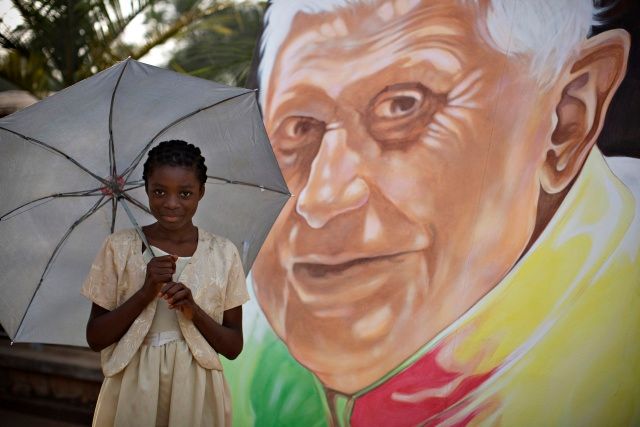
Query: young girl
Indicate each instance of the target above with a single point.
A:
(160, 320)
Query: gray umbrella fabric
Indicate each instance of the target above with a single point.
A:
(71, 174)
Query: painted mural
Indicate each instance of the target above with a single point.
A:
(459, 250)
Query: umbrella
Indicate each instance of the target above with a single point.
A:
(71, 173)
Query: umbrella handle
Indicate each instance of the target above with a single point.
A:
(136, 226)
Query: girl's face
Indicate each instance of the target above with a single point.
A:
(174, 193)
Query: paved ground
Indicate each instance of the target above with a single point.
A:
(16, 419)
(47, 385)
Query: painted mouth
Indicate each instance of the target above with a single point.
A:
(334, 289)
(319, 270)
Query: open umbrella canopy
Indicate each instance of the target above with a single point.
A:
(71, 173)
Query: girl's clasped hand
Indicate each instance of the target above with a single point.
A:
(158, 282)
(179, 297)
(160, 270)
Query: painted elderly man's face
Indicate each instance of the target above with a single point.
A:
(413, 150)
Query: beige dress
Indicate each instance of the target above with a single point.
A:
(163, 385)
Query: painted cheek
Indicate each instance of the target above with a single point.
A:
(409, 183)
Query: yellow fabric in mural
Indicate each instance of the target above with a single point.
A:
(555, 343)
(579, 331)
(561, 333)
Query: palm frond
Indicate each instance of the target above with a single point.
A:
(221, 47)
(63, 41)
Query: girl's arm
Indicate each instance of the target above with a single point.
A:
(226, 339)
(106, 327)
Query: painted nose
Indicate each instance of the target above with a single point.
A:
(334, 186)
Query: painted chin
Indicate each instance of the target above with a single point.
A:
(361, 311)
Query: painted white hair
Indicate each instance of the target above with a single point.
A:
(549, 32)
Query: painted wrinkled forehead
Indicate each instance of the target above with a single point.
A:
(547, 31)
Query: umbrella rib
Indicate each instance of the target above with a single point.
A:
(114, 210)
(134, 185)
(112, 151)
(99, 204)
(54, 150)
(248, 184)
(136, 203)
(137, 226)
(46, 199)
(139, 157)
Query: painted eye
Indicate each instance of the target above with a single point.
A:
(298, 136)
(300, 130)
(298, 127)
(399, 113)
(396, 104)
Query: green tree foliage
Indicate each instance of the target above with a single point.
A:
(61, 42)
(221, 46)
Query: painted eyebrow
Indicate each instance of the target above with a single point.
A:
(289, 103)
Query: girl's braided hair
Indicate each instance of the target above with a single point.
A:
(175, 153)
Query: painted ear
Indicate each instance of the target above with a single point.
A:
(588, 88)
